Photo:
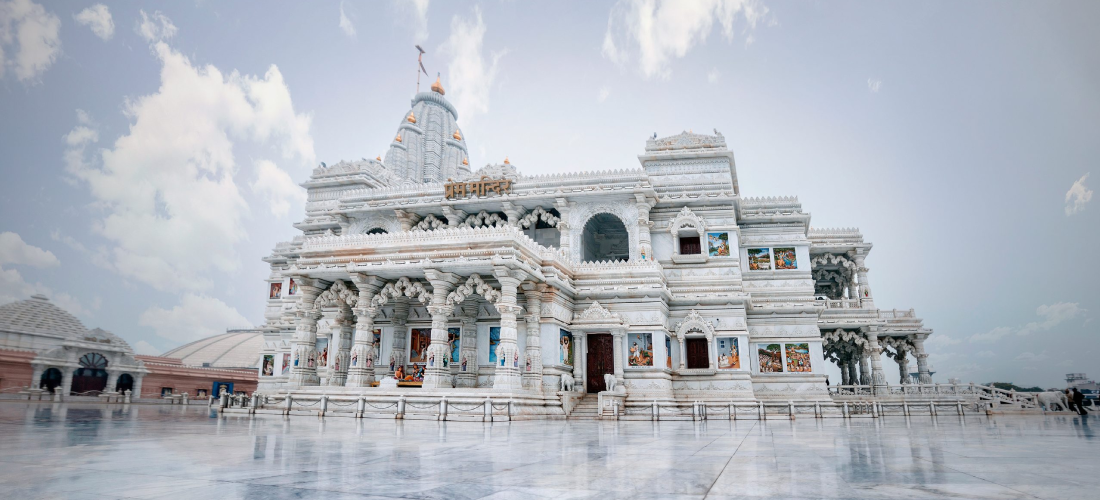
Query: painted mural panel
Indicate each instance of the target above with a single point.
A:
(322, 352)
(640, 349)
(276, 291)
(452, 342)
(760, 259)
(494, 341)
(286, 363)
(269, 365)
(729, 358)
(785, 258)
(565, 354)
(668, 351)
(719, 244)
(771, 358)
(798, 357)
(377, 346)
(419, 339)
(292, 289)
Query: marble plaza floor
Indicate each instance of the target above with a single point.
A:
(91, 451)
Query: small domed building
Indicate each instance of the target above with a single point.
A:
(44, 346)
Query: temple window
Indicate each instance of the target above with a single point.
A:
(687, 237)
(605, 238)
(541, 225)
(689, 245)
(698, 352)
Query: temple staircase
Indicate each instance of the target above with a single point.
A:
(586, 409)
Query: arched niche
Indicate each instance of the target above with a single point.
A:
(605, 238)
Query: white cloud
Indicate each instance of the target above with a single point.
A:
(1052, 315)
(1030, 357)
(156, 27)
(195, 317)
(653, 32)
(172, 209)
(712, 75)
(874, 85)
(1077, 196)
(417, 13)
(143, 347)
(471, 75)
(69, 241)
(98, 18)
(605, 91)
(32, 34)
(345, 22)
(13, 287)
(941, 340)
(274, 184)
(986, 354)
(13, 250)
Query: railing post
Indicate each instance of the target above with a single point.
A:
(361, 407)
(488, 409)
(845, 413)
(959, 404)
(615, 405)
(289, 401)
(323, 405)
(817, 409)
(790, 408)
(401, 407)
(733, 411)
(224, 400)
(443, 408)
(655, 410)
(509, 410)
(760, 413)
(905, 407)
(255, 401)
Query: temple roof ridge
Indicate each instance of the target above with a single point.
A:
(686, 140)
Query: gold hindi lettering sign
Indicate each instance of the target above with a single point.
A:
(480, 188)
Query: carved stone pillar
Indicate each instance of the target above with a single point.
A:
(508, 358)
(437, 373)
(112, 381)
(467, 345)
(363, 359)
(454, 218)
(138, 378)
(532, 366)
(342, 350)
(683, 354)
(513, 212)
(853, 371)
(877, 377)
(617, 339)
(406, 219)
(645, 247)
(36, 376)
(903, 363)
(865, 369)
(66, 380)
(563, 226)
(923, 372)
(580, 358)
(400, 333)
(303, 370)
(866, 298)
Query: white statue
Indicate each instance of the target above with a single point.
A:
(1047, 399)
(609, 381)
(567, 382)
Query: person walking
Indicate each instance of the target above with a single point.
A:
(1079, 401)
(1069, 400)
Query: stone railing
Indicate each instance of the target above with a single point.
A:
(896, 314)
(842, 303)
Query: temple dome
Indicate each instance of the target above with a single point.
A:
(37, 315)
(428, 150)
(233, 349)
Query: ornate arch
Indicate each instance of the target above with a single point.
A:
(484, 218)
(403, 287)
(430, 223)
(834, 260)
(694, 322)
(687, 219)
(627, 213)
(538, 214)
(337, 294)
(374, 221)
(474, 285)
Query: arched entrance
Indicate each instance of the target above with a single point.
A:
(605, 238)
(377, 230)
(50, 379)
(125, 383)
(92, 374)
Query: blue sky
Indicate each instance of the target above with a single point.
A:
(151, 149)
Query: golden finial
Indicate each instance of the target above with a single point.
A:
(438, 87)
(398, 138)
(506, 162)
(457, 136)
(465, 161)
(379, 158)
(411, 118)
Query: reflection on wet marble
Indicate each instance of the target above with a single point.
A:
(90, 451)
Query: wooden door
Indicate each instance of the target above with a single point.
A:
(697, 355)
(601, 360)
